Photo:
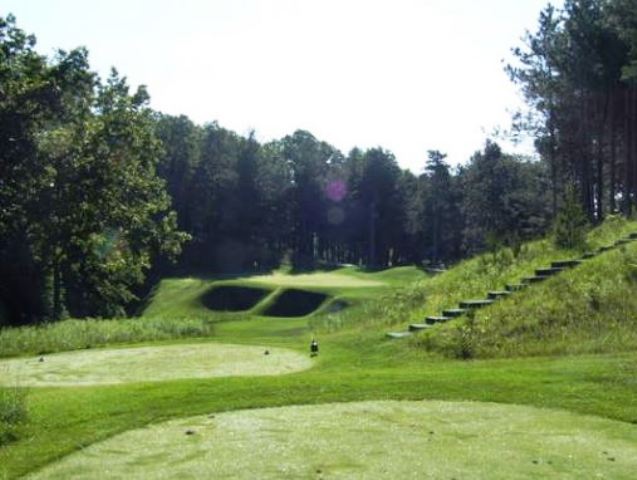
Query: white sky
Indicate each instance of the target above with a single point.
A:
(407, 75)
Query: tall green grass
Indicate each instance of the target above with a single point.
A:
(77, 334)
(589, 309)
(13, 413)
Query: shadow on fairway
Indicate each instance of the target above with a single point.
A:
(233, 299)
(295, 303)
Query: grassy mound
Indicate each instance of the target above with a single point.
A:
(475, 277)
(589, 309)
(233, 298)
(366, 440)
(295, 303)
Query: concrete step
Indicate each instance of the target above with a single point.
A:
(514, 287)
(496, 294)
(416, 327)
(566, 263)
(453, 312)
(535, 279)
(475, 303)
(547, 272)
(433, 320)
(396, 335)
(435, 271)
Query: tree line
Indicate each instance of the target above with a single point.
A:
(578, 73)
(100, 195)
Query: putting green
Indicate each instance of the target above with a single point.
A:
(317, 279)
(143, 364)
(386, 439)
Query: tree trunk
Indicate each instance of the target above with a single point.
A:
(613, 154)
(628, 142)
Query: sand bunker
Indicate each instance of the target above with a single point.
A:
(144, 364)
(385, 439)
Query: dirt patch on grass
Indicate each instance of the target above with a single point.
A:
(295, 303)
(384, 439)
(232, 298)
(148, 364)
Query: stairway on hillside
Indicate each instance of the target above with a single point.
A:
(541, 274)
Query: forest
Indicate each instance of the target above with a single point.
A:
(100, 195)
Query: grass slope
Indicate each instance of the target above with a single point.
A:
(588, 309)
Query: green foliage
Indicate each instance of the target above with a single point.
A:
(571, 224)
(13, 413)
(82, 211)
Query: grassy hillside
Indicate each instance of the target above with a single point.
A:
(588, 309)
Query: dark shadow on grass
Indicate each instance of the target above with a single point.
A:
(295, 303)
(233, 299)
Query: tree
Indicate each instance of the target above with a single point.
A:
(82, 212)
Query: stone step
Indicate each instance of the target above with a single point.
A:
(623, 241)
(514, 287)
(547, 272)
(435, 271)
(633, 235)
(434, 319)
(605, 248)
(535, 279)
(566, 263)
(496, 294)
(453, 312)
(588, 255)
(396, 335)
(416, 327)
(475, 303)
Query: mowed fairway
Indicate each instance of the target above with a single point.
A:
(384, 439)
(147, 364)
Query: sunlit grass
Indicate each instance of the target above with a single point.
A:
(366, 440)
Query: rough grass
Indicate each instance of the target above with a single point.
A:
(81, 334)
(367, 440)
(588, 309)
(13, 412)
(150, 364)
(474, 278)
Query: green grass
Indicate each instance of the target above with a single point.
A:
(13, 413)
(473, 278)
(356, 363)
(150, 364)
(477, 440)
(76, 334)
(588, 309)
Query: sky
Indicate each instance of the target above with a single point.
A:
(407, 75)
